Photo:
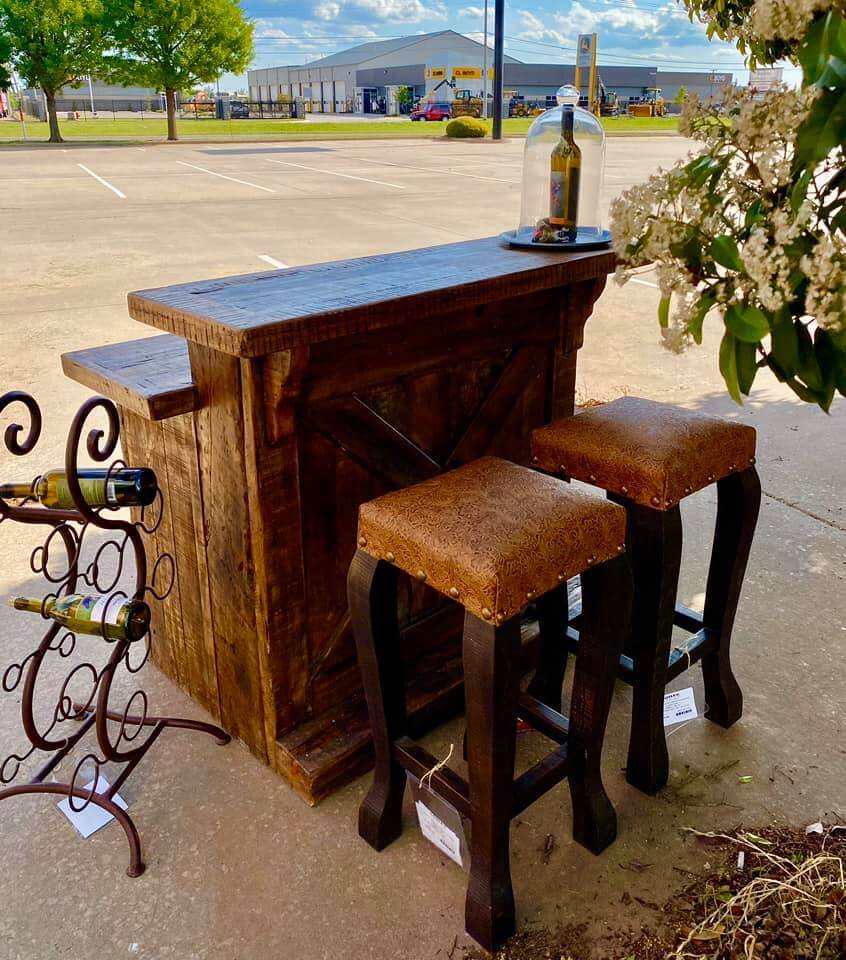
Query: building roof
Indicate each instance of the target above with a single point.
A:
(554, 74)
(378, 48)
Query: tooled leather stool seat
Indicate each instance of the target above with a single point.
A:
(493, 536)
(648, 457)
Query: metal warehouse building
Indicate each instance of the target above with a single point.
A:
(367, 78)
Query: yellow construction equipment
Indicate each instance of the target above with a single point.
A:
(651, 105)
(466, 104)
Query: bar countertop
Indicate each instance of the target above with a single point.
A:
(256, 314)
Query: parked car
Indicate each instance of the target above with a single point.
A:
(239, 110)
(431, 111)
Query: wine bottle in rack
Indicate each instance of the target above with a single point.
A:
(92, 614)
(127, 487)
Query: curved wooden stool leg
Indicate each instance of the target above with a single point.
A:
(738, 502)
(548, 681)
(372, 594)
(606, 609)
(655, 544)
(491, 690)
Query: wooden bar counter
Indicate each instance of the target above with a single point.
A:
(277, 404)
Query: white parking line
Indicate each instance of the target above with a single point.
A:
(223, 176)
(334, 173)
(104, 182)
(453, 173)
(274, 263)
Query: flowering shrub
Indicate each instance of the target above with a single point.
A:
(753, 227)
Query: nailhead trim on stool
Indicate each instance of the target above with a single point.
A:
(650, 453)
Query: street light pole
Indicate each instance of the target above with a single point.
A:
(485, 66)
(91, 95)
(499, 61)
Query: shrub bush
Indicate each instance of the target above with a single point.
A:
(466, 127)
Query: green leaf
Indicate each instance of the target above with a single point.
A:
(823, 52)
(724, 250)
(664, 312)
(747, 323)
(784, 348)
(694, 326)
(800, 190)
(823, 129)
(747, 365)
(728, 365)
(753, 215)
(808, 369)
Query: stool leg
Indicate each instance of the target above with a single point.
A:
(655, 543)
(372, 595)
(491, 689)
(738, 501)
(548, 680)
(606, 610)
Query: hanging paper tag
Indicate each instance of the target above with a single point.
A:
(440, 823)
(680, 705)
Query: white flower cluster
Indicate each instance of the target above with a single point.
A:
(735, 189)
(825, 269)
(787, 19)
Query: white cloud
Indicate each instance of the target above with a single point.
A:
(327, 11)
(385, 11)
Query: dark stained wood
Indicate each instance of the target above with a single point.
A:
(445, 782)
(372, 591)
(605, 626)
(539, 779)
(150, 377)
(548, 678)
(261, 313)
(654, 543)
(491, 689)
(351, 379)
(738, 503)
(545, 719)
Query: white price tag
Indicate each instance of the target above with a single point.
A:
(680, 705)
(92, 818)
(438, 833)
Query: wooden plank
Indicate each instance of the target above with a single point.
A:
(141, 446)
(540, 778)
(273, 486)
(150, 377)
(224, 485)
(257, 314)
(446, 783)
(198, 670)
(371, 439)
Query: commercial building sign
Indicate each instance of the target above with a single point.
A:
(467, 73)
(436, 73)
(586, 51)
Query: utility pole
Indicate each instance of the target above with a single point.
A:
(91, 95)
(499, 62)
(485, 66)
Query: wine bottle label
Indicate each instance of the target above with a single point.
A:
(563, 197)
(94, 492)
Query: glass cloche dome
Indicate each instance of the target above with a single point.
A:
(563, 166)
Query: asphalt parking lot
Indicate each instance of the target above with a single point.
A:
(238, 867)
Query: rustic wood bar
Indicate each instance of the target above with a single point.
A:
(277, 404)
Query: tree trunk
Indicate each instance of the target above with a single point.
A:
(170, 99)
(52, 119)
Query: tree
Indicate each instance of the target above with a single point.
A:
(752, 229)
(681, 96)
(404, 97)
(176, 44)
(54, 43)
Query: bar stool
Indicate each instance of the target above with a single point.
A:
(648, 456)
(493, 536)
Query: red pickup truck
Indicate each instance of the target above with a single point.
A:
(431, 111)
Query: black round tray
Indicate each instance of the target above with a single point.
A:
(586, 241)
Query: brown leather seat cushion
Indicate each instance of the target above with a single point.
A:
(491, 534)
(652, 453)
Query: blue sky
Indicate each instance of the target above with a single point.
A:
(634, 32)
